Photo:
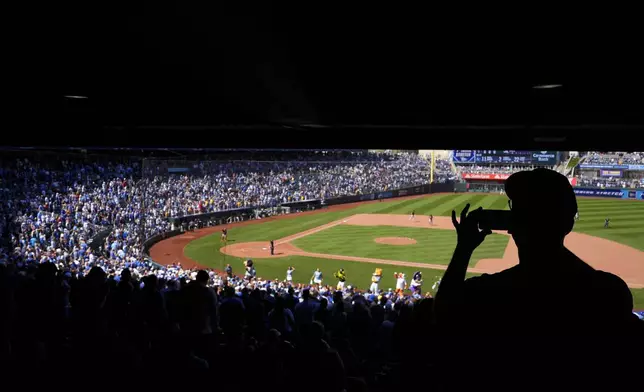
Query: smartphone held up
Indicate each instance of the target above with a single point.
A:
(495, 219)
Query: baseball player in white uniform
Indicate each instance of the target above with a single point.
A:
(289, 274)
(317, 277)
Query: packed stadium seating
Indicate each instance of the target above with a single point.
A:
(72, 303)
(58, 206)
(593, 176)
(614, 158)
(599, 182)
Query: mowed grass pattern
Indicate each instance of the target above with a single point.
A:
(627, 227)
(433, 246)
(626, 220)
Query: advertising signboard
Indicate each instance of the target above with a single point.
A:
(485, 176)
(610, 173)
(597, 192)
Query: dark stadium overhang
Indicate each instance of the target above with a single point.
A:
(212, 138)
(215, 67)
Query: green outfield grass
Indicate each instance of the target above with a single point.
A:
(627, 227)
(433, 246)
(358, 274)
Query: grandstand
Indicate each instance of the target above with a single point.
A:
(487, 170)
(611, 170)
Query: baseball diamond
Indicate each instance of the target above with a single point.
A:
(345, 236)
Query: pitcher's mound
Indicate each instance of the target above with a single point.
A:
(395, 240)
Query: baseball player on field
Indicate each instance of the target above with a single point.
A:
(289, 274)
(317, 277)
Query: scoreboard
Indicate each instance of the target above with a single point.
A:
(505, 157)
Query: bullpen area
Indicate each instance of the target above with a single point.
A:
(383, 234)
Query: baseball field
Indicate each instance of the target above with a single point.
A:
(363, 236)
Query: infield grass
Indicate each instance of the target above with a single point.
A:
(433, 246)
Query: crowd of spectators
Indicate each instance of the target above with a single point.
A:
(222, 185)
(444, 171)
(53, 208)
(607, 182)
(204, 323)
(107, 296)
(593, 178)
(614, 158)
(215, 186)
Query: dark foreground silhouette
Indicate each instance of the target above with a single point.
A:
(549, 319)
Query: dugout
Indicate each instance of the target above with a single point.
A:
(303, 205)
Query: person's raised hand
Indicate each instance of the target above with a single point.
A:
(467, 230)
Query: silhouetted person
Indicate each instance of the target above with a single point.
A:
(199, 319)
(90, 317)
(254, 313)
(550, 294)
(359, 323)
(338, 319)
(543, 206)
(281, 319)
(305, 310)
(321, 357)
(232, 313)
(172, 299)
(121, 304)
(322, 314)
(289, 300)
(152, 307)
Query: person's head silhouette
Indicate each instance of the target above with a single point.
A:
(202, 277)
(543, 207)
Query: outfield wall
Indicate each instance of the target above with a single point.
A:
(610, 193)
(633, 194)
(148, 243)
